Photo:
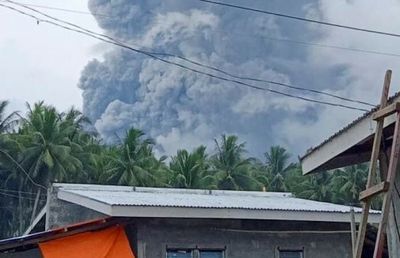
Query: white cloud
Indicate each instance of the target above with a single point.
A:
(40, 62)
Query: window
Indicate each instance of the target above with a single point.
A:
(192, 253)
(211, 254)
(291, 254)
(179, 253)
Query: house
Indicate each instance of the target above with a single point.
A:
(184, 223)
(353, 145)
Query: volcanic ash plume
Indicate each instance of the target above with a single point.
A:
(182, 109)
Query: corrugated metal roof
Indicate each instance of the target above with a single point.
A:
(344, 129)
(206, 199)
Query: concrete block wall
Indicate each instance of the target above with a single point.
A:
(155, 236)
(61, 213)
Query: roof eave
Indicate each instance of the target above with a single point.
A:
(138, 211)
(329, 155)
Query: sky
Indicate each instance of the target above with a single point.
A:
(118, 89)
(40, 62)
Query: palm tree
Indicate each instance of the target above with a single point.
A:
(10, 210)
(96, 160)
(190, 170)
(317, 187)
(293, 179)
(348, 183)
(6, 121)
(14, 178)
(134, 161)
(277, 168)
(48, 154)
(232, 170)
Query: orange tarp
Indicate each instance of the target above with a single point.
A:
(108, 243)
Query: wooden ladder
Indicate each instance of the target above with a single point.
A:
(388, 173)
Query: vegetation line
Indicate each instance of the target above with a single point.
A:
(51, 146)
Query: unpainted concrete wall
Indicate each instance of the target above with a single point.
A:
(61, 213)
(240, 239)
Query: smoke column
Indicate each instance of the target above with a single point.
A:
(180, 109)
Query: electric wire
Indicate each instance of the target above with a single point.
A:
(304, 43)
(269, 81)
(198, 63)
(21, 197)
(114, 42)
(320, 45)
(282, 15)
(286, 40)
(30, 179)
(64, 9)
(21, 192)
(188, 68)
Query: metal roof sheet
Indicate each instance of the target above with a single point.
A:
(206, 199)
(392, 99)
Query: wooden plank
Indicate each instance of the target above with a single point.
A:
(362, 229)
(387, 111)
(35, 205)
(374, 190)
(353, 228)
(383, 164)
(372, 167)
(393, 162)
(35, 221)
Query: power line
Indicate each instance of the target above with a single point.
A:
(152, 52)
(64, 9)
(114, 42)
(21, 192)
(20, 167)
(268, 81)
(20, 197)
(314, 44)
(282, 15)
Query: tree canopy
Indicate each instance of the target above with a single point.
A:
(45, 146)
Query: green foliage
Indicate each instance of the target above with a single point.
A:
(191, 170)
(231, 170)
(47, 146)
(134, 162)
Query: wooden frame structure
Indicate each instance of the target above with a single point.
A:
(388, 168)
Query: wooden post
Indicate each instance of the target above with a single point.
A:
(353, 229)
(372, 168)
(392, 231)
(387, 199)
(35, 206)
